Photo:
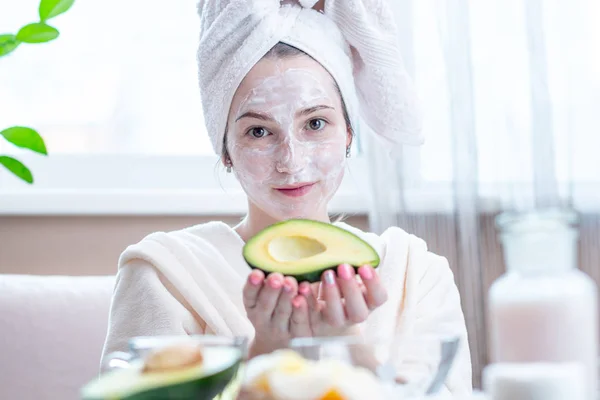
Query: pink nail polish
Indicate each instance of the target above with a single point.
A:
(255, 280)
(304, 289)
(297, 302)
(366, 272)
(287, 287)
(275, 283)
(329, 278)
(345, 272)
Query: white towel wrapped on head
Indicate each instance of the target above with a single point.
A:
(354, 40)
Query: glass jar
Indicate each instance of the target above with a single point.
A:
(543, 309)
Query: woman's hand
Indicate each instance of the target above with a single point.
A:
(345, 303)
(280, 309)
(268, 303)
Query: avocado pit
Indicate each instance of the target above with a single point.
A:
(172, 358)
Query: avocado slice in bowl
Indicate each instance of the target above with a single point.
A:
(172, 373)
(304, 249)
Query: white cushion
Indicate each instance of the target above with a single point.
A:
(52, 330)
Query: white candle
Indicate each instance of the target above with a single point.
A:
(535, 381)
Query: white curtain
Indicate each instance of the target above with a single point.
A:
(510, 93)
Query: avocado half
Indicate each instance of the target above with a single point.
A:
(203, 382)
(304, 249)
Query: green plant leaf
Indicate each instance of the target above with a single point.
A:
(38, 32)
(8, 43)
(25, 137)
(51, 8)
(16, 167)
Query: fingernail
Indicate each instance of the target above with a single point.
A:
(329, 278)
(297, 302)
(255, 279)
(366, 272)
(304, 289)
(345, 272)
(287, 287)
(275, 283)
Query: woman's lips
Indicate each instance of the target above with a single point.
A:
(295, 190)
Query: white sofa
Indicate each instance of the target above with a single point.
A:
(52, 330)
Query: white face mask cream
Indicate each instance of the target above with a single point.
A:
(287, 137)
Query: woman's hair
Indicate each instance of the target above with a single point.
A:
(281, 51)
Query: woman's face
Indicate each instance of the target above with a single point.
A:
(287, 137)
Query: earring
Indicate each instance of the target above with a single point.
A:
(348, 151)
(228, 168)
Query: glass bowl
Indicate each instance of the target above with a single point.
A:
(350, 368)
(216, 376)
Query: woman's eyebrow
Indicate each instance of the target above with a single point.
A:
(311, 110)
(255, 115)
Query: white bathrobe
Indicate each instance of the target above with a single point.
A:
(190, 281)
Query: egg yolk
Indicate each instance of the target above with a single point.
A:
(332, 395)
(262, 384)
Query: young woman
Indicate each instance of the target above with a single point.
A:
(282, 120)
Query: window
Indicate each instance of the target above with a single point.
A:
(121, 78)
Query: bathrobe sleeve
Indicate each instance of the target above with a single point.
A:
(438, 314)
(144, 303)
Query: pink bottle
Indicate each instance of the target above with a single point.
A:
(544, 309)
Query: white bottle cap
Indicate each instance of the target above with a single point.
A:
(534, 381)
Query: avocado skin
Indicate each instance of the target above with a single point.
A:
(204, 388)
(310, 277)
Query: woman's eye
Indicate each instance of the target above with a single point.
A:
(316, 124)
(258, 132)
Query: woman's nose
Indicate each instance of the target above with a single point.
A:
(291, 158)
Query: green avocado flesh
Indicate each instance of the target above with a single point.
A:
(202, 382)
(304, 249)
